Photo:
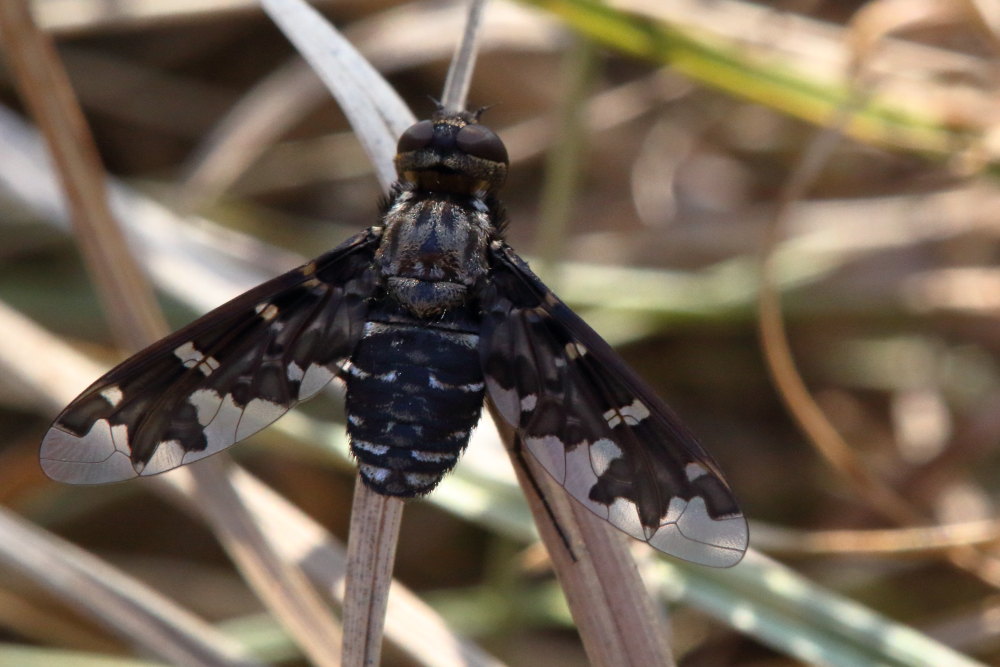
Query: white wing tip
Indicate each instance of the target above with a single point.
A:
(89, 459)
(690, 533)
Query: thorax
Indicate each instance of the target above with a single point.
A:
(433, 250)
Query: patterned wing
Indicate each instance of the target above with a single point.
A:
(221, 378)
(597, 428)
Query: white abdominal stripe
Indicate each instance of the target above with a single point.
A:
(411, 483)
(405, 469)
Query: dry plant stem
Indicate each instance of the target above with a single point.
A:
(463, 63)
(618, 621)
(283, 587)
(261, 115)
(985, 14)
(371, 551)
(791, 387)
(135, 317)
(45, 88)
(375, 519)
(916, 540)
(413, 626)
(774, 337)
(128, 609)
(777, 352)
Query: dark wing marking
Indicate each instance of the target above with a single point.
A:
(220, 379)
(596, 427)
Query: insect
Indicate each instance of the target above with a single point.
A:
(422, 316)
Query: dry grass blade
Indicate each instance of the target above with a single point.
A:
(615, 615)
(262, 115)
(463, 63)
(411, 625)
(123, 290)
(90, 16)
(277, 580)
(128, 608)
(391, 40)
(616, 618)
(918, 540)
(378, 115)
(777, 351)
(371, 552)
(45, 87)
(774, 337)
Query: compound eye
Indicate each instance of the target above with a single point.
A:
(416, 137)
(481, 142)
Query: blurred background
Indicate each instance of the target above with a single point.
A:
(649, 179)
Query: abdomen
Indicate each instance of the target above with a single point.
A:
(414, 393)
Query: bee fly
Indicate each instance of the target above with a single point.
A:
(422, 317)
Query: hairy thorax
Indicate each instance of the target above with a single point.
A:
(433, 250)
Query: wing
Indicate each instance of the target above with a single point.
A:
(596, 427)
(220, 379)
